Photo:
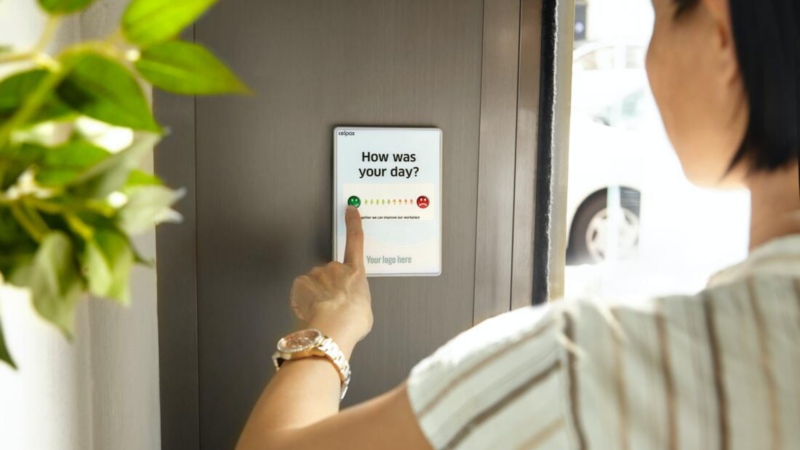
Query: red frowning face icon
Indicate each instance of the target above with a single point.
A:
(423, 202)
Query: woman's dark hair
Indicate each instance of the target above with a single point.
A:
(767, 42)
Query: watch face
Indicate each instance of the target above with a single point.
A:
(299, 340)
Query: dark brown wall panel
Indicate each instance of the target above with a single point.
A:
(258, 171)
(264, 180)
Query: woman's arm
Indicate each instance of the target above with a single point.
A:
(299, 409)
(386, 422)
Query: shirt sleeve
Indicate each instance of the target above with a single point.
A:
(498, 385)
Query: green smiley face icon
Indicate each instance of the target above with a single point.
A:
(354, 201)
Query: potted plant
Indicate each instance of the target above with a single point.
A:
(74, 128)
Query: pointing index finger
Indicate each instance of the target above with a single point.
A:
(354, 247)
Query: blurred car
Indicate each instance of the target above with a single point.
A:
(613, 116)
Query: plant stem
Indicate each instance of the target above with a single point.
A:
(47, 35)
(116, 38)
(34, 215)
(49, 208)
(27, 224)
(16, 57)
(45, 60)
(56, 208)
(80, 227)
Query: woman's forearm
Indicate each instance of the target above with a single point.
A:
(301, 394)
(335, 300)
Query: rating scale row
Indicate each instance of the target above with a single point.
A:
(422, 201)
(384, 201)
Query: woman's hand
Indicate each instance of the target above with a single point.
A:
(299, 407)
(335, 298)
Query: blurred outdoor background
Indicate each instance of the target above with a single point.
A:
(636, 225)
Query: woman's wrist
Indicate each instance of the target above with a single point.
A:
(345, 325)
(343, 336)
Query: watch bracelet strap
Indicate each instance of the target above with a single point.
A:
(335, 356)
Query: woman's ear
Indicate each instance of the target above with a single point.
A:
(723, 44)
(720, 9)
(729, 91)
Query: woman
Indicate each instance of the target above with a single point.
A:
(716, 370)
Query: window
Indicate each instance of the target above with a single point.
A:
(635, 225)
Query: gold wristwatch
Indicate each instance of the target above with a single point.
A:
(312, 343)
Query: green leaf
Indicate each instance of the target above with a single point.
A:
(4, 354)
(112, 173)
(138, 258)
(105, 90)
(54, 280)
(64, 6)
(147, 206)
(139, 178)
(108, 262)
(5, 49)
(21, 274)
(15, 89)
(148, 22)
(63, 164)
(14, 161)
(188, 69)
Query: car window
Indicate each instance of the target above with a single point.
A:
(612, 56)
(598, 59)
(629, 113)
(635, 56)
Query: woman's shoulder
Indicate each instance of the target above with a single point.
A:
(480, 374)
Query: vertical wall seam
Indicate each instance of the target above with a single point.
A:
(196, 265)
(499, 98)
(478, 168)
(91, 377)
(516, 152)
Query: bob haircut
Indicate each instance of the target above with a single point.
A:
(767, 41)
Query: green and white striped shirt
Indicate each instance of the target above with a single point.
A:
(717, 370)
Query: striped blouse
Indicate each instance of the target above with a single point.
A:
(718, 370)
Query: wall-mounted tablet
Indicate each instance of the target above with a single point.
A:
(394, 177)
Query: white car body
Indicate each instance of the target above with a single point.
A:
(615, 134)
(635, 152)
